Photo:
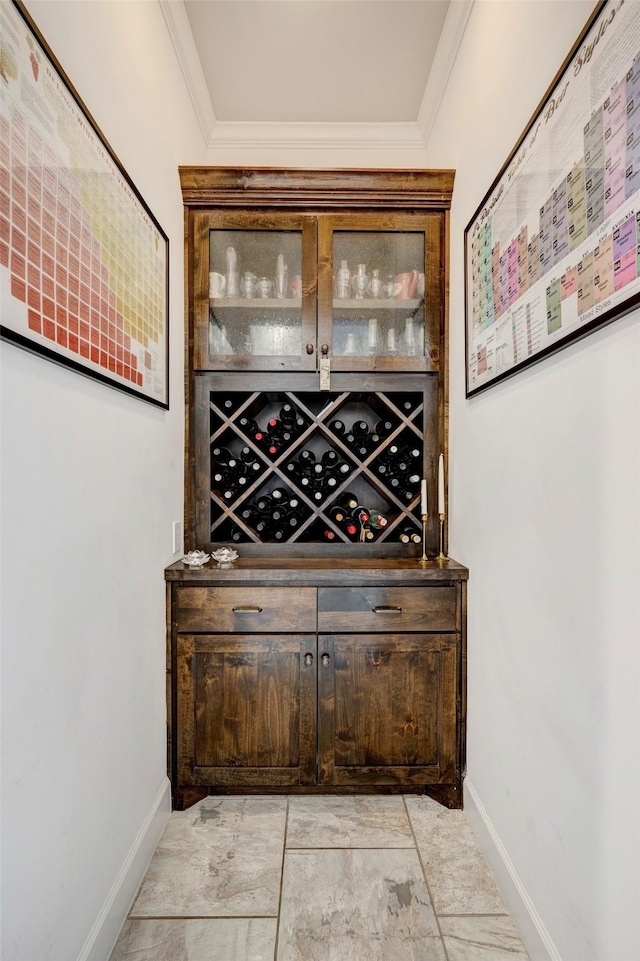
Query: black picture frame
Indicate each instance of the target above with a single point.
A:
(84, 264)
(531, 292)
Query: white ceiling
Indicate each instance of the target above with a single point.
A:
(321, 70)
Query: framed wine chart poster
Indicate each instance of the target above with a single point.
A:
(553, 251)
(83, 261)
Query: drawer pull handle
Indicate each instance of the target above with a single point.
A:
(247, 610)
(386, 609)
(308, 659)
(326, 660)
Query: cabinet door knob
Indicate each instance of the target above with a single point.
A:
(326, 660)
(325, 349)
(308, 659)
(309, 348)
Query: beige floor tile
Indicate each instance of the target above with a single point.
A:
(231, 939)
(221, 858)
(348, 822)
(458, 875)
(482, 939)
(356, 905)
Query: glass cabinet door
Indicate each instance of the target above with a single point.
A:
(373, 313)
(255, 293)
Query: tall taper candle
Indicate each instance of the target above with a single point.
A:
(423, 498)
(441, 484)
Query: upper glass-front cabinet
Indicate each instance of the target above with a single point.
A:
(279, 291)
(255, 292)
(372, 304)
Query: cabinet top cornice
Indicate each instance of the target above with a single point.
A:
(326, 189)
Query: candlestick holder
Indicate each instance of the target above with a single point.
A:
(442, 556)
(424, 559)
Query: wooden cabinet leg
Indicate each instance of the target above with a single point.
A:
(184, 797)
(448, 794)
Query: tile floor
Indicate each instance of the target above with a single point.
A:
(368, 878)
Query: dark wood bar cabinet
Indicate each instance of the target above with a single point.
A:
(330, 656)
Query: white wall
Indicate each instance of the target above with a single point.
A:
(545, 511)
(91, 481)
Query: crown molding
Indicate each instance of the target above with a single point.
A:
(229, 134)
(181, 35)
(219, 135)
(446, 53)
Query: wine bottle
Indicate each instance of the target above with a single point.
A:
(293, 519)
(272, 445)
(337, 426)
(383, 428)
(350, 528)
(349, 500)
(222, 455)
(248, 425)
(264, 502)
(328, 535)
(280, 494)
(248, 457)
(329, 458)
(337, 513)
(361, 514)
(409, 534)
(287, 415)
(360, 428)
(226, 404)
(342, 468)
(236, 535)
(378, 520)
(307, 457)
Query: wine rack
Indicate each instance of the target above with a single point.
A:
(340, 470)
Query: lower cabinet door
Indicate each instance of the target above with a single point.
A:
(387, 707)
(246, 709)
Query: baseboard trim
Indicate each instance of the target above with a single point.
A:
(106, 928)
(531, 928)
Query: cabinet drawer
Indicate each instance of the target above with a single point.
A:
(388, 609)
(246, 609)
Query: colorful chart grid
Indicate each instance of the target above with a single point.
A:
(83, 256)
(554, 248)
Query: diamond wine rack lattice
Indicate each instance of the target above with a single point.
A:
(325, 468)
